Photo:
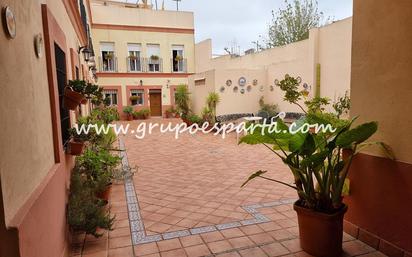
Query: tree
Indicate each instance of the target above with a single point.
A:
(293, 23)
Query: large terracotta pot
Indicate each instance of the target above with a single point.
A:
(106, 194)
(320, 234)
(72, 99)
(76, 148)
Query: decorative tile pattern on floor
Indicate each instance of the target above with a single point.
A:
(137, 227)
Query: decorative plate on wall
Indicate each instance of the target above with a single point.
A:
(222, 89)
(242, 91)
(255, 82)
(10, 22)
(228, 82)
(235, 89)
(242, 81)
(249, 88)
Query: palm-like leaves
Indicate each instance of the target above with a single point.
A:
(315, 159)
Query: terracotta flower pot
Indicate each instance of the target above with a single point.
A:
(72, 99)
(76, 148)
(105, 194)
(320, 233)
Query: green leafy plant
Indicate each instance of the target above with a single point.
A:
(154, 58)
(342, 105)
(195, 119)
(182, 100)
(128, 110)
(85, 211)
(271, 109)
(318, 160)
(292, 23)
(212, 100)
(317, 104)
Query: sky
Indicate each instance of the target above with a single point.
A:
(239, 22)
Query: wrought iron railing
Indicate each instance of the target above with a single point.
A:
(178, 65)
(108, 64)
(134, 64)
(154, 65)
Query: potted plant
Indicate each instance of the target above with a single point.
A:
(319, 170)
(178, 58)
(128, 110)
(86, 212)
(171, 112)
(182, 101)
(132, 57)
(77, 141)
(154, 58)
(74, 94)
(134, 99)
(145, 113)
(109, 55)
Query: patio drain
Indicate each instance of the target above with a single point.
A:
(137, 229)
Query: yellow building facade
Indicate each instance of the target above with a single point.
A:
(142, 52)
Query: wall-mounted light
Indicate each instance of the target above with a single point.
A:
(86, 52)
(141, 82)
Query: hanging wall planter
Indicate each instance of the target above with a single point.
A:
(235, 89)
(72, 99)
(76, 148)
(242, 91)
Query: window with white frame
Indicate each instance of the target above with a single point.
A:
(153, 56)
(178, 61)
(107, 58)
(137, 97)
(111, 96)
(134, 59)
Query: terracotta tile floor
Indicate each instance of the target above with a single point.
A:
(195, 182)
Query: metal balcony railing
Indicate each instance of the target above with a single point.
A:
(108, 65)
(154, 65)
(179, 65)
(134, 64)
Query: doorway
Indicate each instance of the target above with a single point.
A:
(155, 97)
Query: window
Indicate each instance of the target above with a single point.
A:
(111, 95)
(178, 62)
(60, 59)
(133, 60)
(154, 60)
(107, 58)
(138, 97)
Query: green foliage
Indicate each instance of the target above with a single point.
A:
(90, 91)
(142, 114)
(315, 158)
(195, 119)
(85, 211)
(293, 23)
(317, 104)
(182, 100)
(128, 110)
(271, 109)
(342, 105)
(208, 116)
(107, 114)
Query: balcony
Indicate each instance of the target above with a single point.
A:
(134, 64)
(178, 65)
(154, 65)
(108, 64)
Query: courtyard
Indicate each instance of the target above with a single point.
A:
(185, 199)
